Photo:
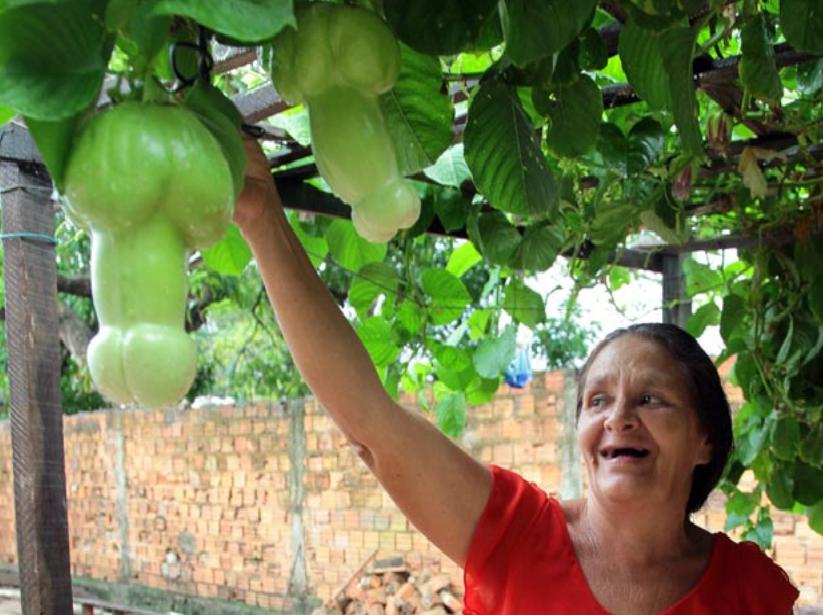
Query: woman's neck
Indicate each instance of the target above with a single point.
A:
(639, 535)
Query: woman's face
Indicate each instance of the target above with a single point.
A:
(638, 429)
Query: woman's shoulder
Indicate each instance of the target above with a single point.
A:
(758, 576)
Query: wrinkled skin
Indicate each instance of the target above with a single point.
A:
(150, 184)
(337, 63)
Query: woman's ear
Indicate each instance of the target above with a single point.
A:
(704, 450)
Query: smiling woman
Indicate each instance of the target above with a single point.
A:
(653, 424)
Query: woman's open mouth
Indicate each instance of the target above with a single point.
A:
(621, 454)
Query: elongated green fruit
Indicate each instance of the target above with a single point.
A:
(337, 62)
(150, 183)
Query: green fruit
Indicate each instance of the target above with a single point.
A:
(337, 62)
(150, 183)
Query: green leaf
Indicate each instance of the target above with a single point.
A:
(815, 515)
(533, 30)
(53, 58)
(751, 441)
(6, 114)
(438, 27)
(815, 298)
(808, 484)
(349, 249)
(640, 55)
(810, 77)
(762, 532)
(704, 316)
(418, 112)
(592, 54)
(811, 447)
(538, 249)
(677, 48)
(504, 154)
(451, 207)
(372, 280)
(576, 117)
(495, 237)
(449, 297)
(757, 69)
(781, 486)
(646, 142)
(54, 141)
(295, 121)
(479, 322)
(450, 169)
(482, 390)
(742, 503)
(453, 366)
(523, 304)
(376, 335)
(493, 355)
(220, 116)
(316, 247)
(802, 23)
(230, 255)
(410, 316)
(463, 258)
(248, 21)
(700, 278)
(451, 414)
(786, 438)
(734, 309)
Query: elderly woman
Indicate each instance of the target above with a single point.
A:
(653, 425)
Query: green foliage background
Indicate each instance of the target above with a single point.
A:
(548, 162)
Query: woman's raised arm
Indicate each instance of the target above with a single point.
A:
(440, 488)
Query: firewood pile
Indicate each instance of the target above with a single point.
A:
(391, 588)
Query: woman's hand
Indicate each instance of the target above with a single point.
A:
(259, 197)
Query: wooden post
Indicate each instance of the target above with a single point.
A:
(677, 307)
(34, 371)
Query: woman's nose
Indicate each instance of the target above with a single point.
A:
(622, 417)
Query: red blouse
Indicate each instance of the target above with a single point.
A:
(521, 562)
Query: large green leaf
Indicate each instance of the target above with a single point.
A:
(677, 48)
(450, 169)
(230, 255)
(418, 112)
(438, 27)
(642, 61)
(243, 20)
(504, 154)
(633, 154)
(734, 308)
(453, 366)
(815, 514)
(6, 114)
(523, 304)
(704, 316)
(802, 23)
(757, 69)
(452, 207)
(495, 237)
(808, 483)
(448, 296)
(376, 335)
(372, 280)
(53, 58)
(451, 414)
(494, 354)
(463, 258)
(54, 141)
(538, 249)
(576, 117)
(533, 30)
(349, 249)
(410, 316)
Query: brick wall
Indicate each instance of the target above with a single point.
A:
(267, 504)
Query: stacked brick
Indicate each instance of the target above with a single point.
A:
(198, 501)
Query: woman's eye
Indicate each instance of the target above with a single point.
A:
(648, 399)
(596, 401)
